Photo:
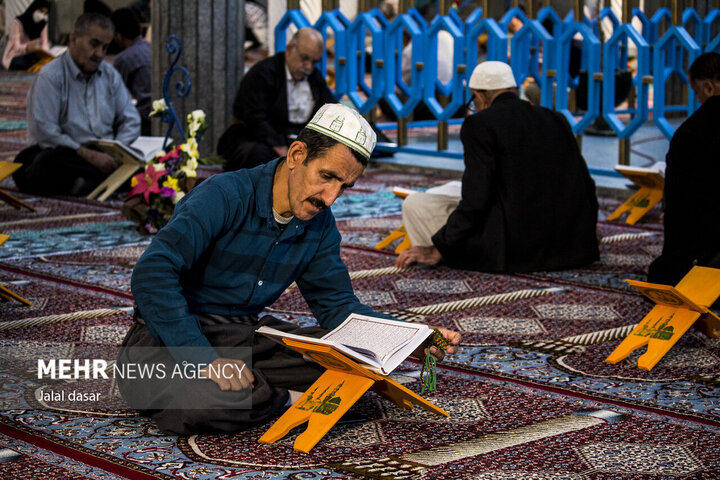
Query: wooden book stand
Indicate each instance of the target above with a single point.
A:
(676, 310)
(6, 294)
(6, 169)
(115, 180)
(651, 183)
(325, 402)
(398, 233)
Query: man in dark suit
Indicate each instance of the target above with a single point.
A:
(692, 210)
(527, 202)
(276, 98)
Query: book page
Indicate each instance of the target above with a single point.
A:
(148, 146)
(278, 336)
(376, 336)
(653, 177)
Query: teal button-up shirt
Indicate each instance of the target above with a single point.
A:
(224, 253)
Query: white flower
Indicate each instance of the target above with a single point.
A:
(158, 106)
(196, 122)
(190, 167)
(178, 196)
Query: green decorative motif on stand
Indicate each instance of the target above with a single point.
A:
(659, 331)
(322, 404)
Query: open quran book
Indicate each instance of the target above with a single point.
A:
(379, 344)
(651, 177)
(140, 151)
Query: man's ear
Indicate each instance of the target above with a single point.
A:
(711, 88)
(297, 153)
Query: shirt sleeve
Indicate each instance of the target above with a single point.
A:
(326, 284)
(44, 111)
(45, 42)
(15, 45)
(156, 277)
(127, 118)
(477, 186)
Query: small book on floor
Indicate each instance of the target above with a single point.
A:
(376, 343)
(651, 177)
(141, 151)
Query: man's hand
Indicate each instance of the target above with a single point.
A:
(281, 150)
(450, 335)
(229, 374)
(100, 160)
(426, 255)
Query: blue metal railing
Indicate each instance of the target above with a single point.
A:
(182, 87)
(534, 51)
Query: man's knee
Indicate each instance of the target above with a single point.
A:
(415, 204)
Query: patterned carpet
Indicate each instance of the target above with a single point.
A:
(529, 393)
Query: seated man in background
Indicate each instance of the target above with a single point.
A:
(275, 100)
(74, 99)
(692, 210)
(208, 274)
(134, 62)
(527, 202)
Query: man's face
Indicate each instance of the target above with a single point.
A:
(87, 51)
(301, 57)
(314, 186)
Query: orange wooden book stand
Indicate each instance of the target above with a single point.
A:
(6, 294)
(676, 310)
(327, 400)
(398, 233)
(651, 185)
(6, 169)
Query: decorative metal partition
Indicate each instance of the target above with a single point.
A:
(371, 47)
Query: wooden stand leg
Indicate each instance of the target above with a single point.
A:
(114, 181)
(659, 330)
(638, 205)
(15, 202)
(6, 169)
(395, 235)
(322, 405)
(9, 295)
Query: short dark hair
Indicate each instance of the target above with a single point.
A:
(318, 143)
(126, 23)
(706, 67)
(87, 20)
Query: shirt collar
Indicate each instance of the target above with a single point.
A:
(289, 78)
(263, 203)
(73, 68)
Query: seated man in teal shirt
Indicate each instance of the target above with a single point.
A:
(233, 246)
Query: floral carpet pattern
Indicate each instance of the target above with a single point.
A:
(529, 393)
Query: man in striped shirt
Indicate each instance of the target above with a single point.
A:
(233, 246)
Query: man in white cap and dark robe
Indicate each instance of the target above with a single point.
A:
(527, 202)
(233, 246)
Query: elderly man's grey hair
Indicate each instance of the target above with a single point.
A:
(87, 20)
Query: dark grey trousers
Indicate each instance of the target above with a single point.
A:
(202, 406)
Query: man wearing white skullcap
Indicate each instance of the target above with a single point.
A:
(235, 243)
(527, 201)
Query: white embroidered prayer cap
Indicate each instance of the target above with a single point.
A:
(345, 125)
(492, 75)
